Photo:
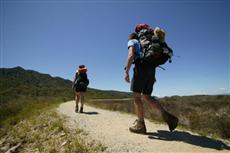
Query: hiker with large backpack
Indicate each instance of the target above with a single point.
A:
(147, 50)
(80, 84)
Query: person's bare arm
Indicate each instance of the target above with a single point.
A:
(129, 63)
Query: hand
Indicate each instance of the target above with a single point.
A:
(127, 77)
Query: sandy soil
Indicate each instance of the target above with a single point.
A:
(112, 129)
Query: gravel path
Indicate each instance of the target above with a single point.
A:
(111, 129)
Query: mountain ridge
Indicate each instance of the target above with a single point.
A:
(18, 76)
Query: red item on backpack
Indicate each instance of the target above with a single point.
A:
(141, 26)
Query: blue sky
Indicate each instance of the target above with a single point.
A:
(55, 36)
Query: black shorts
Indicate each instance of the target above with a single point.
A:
(143, 79)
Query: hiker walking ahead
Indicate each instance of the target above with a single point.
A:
(142, 86)
(80, 84)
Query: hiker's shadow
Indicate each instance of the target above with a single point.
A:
(91, 113)
(186, 137)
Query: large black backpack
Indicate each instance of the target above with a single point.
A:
(154, 51)
(81, 82)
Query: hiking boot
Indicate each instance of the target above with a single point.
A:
(139, 127)
(76, 109)
(171, 120)
(81, 110)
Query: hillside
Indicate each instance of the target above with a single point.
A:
(18, 82)
(20, 88)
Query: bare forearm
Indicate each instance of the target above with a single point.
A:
(128, 66)
(129, 61)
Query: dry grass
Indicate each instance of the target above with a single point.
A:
(207, 115)
(47, 132)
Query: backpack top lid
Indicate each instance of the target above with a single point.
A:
(141, 26)
(160, 33)
(82, 69)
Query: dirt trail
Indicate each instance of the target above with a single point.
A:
(111, 129)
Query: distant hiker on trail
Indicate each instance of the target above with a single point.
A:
(147, 51)
(80, 84)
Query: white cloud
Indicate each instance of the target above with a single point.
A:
(222, 88)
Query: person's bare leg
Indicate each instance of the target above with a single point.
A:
(139, 126)
(82, 101)
(77, 99)
(153, 103)
(170, 119)
(138, 105)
